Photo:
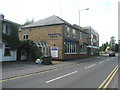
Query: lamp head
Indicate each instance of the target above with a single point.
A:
(87, 9)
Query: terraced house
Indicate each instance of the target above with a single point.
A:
(66, 41)
(6, 28)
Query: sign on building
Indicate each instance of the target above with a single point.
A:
(54, 51)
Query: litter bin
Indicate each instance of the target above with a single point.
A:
(47, 60)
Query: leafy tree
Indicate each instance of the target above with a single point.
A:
(116, 47)
(31, 49)
(112, 41)
(104, 46)
(28, 22)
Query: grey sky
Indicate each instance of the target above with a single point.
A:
(102, 15)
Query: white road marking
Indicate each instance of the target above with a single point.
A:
(90, 66)
(61, 77)
(108, 59)
(101, 62)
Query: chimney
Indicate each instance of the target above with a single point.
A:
(1, 16)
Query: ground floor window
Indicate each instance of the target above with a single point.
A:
(83, 49)
(44, 49)
(7, 51)
(70, 48)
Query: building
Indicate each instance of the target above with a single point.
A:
(6, 28)
(66, 41)
(83, 43)
(93, 41)
(5, 52)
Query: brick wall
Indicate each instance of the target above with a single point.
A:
(43, 34)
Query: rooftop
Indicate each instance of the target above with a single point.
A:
(5, 20)
(52, 20)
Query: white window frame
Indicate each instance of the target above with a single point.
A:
(68, 31)
(71, 48)
(5, 29)
(74, 33)
(25, 36)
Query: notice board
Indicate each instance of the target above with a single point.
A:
(54, 51)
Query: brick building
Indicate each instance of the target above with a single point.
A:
(93, 41)
(66, 41)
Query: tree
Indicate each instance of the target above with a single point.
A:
(12, 40)
(28, 22)
(112, 41)
(116, 47)
(31, 49)
(104, 46)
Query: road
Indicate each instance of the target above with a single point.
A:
(82, 75)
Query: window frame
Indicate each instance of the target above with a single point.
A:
(25, 36)
(6, 52)
(74, 33)
(71, 48)
(6, 29)
(68, 31)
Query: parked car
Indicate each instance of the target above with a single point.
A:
(111, 53)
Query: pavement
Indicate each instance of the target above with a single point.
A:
(14, 69)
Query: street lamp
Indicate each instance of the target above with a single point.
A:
(79, 14)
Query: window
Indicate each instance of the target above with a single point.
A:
(74, 33)
(44, 49)
(25, 36)
(7, 50)
(80, 35)
(83, 49)
(6, 29)
(85, 37)
(70, 48)
(68, 31)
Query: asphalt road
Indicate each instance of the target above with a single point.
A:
(82, 75)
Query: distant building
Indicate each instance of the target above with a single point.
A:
(93, 41)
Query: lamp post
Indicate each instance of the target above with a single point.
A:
(79, 14)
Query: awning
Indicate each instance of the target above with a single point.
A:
(93, 47)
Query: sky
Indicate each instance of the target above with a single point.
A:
(102, 14)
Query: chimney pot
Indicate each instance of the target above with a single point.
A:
(1, 16)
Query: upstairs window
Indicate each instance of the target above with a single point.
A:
(74, 33)
(25, 36)
(81, 35)
(68, 31)
(6, 29)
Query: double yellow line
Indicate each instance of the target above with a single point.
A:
(107, 81)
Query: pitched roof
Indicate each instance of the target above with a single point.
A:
(52, 20)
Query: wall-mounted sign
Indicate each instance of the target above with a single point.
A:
(54, 35)
(54, 51)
